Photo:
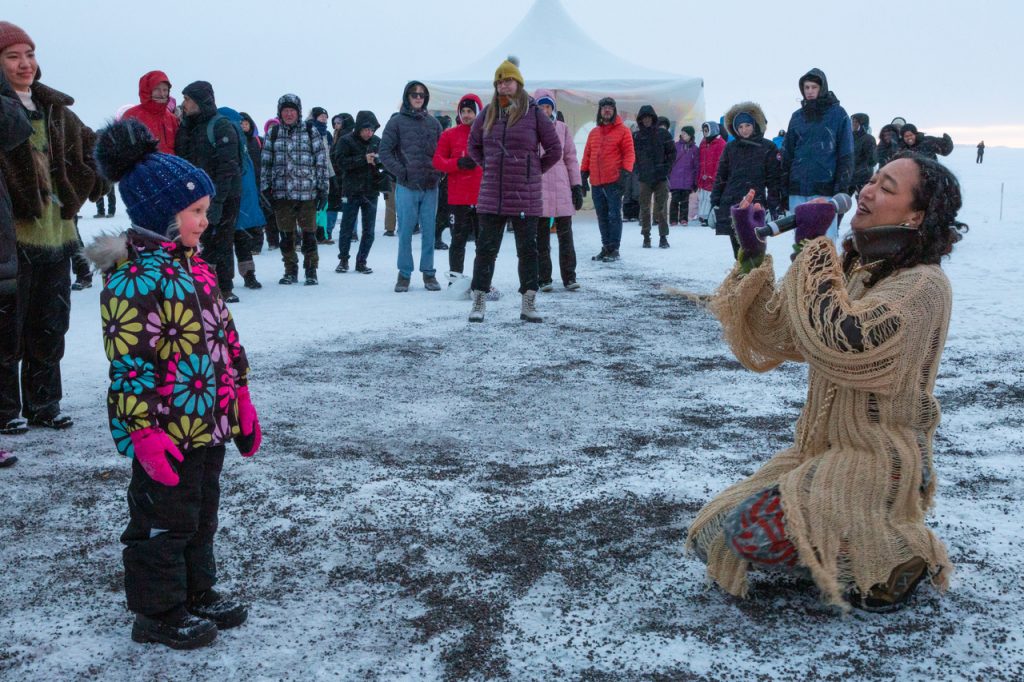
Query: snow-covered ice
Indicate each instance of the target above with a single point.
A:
(436, 499)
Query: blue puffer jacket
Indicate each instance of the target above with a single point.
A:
(817, 153)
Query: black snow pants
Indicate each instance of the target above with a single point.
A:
(33, 322)
(168, 553)
(218, 245)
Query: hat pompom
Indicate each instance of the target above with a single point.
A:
(121, 146)
(514, 59)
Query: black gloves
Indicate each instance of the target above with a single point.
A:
(623, 179)
(586, 182)
(466, 163)
(577, 197)
(321, 199)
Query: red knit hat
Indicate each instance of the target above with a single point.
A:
(13, 35)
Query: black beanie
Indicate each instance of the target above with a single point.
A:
(316, 112)
(468, 103)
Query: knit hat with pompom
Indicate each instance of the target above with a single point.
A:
(154, 187)
(509, 69)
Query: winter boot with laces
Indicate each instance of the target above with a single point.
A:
(363, 268)
(220, 608)
(311, 277)
(251, 282)
(479, 306)
(663, 243)
(647, 241)
(430, 283)
(342, 265)
(402, 285)
(529, 309)
(291, 276)
(600, 256)
(177, 629)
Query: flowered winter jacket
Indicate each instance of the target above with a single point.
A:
(175, 358)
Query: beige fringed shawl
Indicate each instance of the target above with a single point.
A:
(851, 485)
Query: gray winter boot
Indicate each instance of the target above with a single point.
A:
(479, 305)
(529, 309)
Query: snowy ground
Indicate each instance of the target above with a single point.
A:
(436, 500)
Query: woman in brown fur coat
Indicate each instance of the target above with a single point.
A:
(49, 176)
(846, 503)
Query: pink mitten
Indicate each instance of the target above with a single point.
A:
(151, 449)
(249, 424)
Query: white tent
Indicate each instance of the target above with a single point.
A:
(554, 53)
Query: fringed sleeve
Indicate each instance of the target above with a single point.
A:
(755, 327)
(855, 343)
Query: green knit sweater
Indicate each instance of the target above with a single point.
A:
(48, 238)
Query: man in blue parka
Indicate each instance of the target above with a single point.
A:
(817, 152)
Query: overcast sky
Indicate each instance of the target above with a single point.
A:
(945, 65)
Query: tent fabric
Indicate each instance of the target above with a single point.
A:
(554, 53)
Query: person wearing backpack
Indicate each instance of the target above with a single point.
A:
(214, 145)
(295, 179)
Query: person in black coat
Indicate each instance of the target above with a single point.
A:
(888, 144)
(342, 125)
(15, 128)
(749, 162)
(357, 156)
(925, 145)
(222, 162)
(865, 155)
(655, 154)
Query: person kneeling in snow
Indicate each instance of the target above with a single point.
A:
(846, 503)
(178, 388)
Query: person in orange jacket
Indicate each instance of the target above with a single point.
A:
(607, 160)
(154, 93)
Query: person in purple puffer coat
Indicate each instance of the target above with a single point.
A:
(516, 144)
(562, 197)
(683, 178)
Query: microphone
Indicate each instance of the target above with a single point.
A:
(842, 203)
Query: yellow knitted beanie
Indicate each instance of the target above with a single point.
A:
(509, 69)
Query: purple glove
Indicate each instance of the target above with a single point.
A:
(744, 222)
(249, 424)
(151, 449)
(813, 220)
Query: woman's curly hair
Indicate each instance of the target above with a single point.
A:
(937, 193)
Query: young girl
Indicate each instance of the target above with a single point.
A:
(178, 389)
(749, 162)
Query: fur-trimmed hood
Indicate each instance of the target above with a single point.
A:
(752, 108)
(109, 249)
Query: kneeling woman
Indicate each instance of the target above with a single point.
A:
(846, 503)
(178, 389)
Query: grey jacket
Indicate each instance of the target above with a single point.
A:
(408, 143)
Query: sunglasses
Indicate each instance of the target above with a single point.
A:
(417, 95)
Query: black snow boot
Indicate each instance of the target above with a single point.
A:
(220, 608)
(647, 241)
(251, 282)
(58, 421)
(311, 277)
(342, 266)
(601, 255)
(291, 276)
(663, 244)
(177, 629)
(363, 268)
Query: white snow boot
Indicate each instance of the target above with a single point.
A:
(479, 305)
(529, 309)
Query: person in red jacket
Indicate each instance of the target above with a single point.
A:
(154, 93)
(464, 177)
(711, 148)
(607, 161)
